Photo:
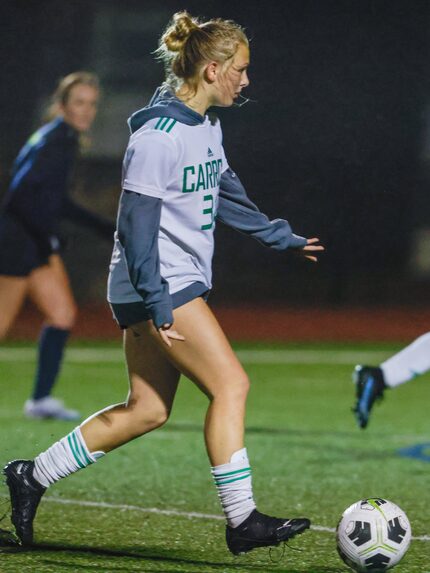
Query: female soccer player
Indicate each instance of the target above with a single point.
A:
(30, 263)
(176, 181)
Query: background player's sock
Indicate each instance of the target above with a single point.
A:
(63, 458)
(52, 341)
(234, 485)
(408, 363)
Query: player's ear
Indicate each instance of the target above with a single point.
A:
(211, 71)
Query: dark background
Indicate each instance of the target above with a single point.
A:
(337, 140)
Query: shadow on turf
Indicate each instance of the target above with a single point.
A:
(186, 427)
(149, 554)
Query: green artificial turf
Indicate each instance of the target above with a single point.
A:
(307, 455)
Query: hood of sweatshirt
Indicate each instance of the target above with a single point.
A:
(164, 103)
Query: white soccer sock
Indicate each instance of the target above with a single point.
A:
(408, 363)
(234, 485)
(65, 457)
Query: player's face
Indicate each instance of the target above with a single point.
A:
(234, 78)
(80, 108)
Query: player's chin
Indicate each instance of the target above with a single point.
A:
(85, 128)
(83, 125)
(232, 100)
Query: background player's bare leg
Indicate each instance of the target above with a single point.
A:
(12, 294)
(49, 289)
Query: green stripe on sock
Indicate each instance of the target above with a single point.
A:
(232, 480)
(170, 126)
(77, 449)
(232, 473)
(78, 461)
(82, 451)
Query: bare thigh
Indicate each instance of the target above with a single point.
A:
(205, 356)
(49, 289)
(153, 378)
(13, 291)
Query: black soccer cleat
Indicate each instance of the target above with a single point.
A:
(369, 386)
(259, 530)
(25, 494)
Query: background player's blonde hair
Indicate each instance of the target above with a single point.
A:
(187, 43)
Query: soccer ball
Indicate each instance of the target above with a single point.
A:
(373, 535)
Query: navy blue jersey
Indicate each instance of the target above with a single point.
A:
(37, 192)
(37, 200)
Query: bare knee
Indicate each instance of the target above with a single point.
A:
(234, 389)
(63, 317)
(147, 419)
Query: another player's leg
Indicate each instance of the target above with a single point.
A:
(206, 358)
(49, 288)
(371, 381)
(12, 294)
(369, 387)
(409, 363)
(153, 384)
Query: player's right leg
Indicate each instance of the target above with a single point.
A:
(207, 358)
(49, 289)
(13, 291)
(153, 384)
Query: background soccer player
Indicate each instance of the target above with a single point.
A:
(371, 381)
(30, 262)
(176, 181)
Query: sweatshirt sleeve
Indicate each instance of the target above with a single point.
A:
(138, 226)
(148, 165)
(236, 210)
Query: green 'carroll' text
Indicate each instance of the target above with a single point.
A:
(203, 176)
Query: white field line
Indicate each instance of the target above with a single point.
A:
(256, 356)
(186, 514)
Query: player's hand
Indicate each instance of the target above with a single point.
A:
(311, 250)
(166, 333)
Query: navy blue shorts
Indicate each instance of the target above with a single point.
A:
(129, 313)
(19, 252)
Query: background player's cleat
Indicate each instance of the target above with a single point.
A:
(25, 494)
(49, 407)
(369, 385)
(259, 530)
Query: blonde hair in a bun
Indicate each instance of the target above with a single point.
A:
(179, 31)
(188, 43)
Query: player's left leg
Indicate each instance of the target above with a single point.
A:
(153, 384)
(49, 289)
